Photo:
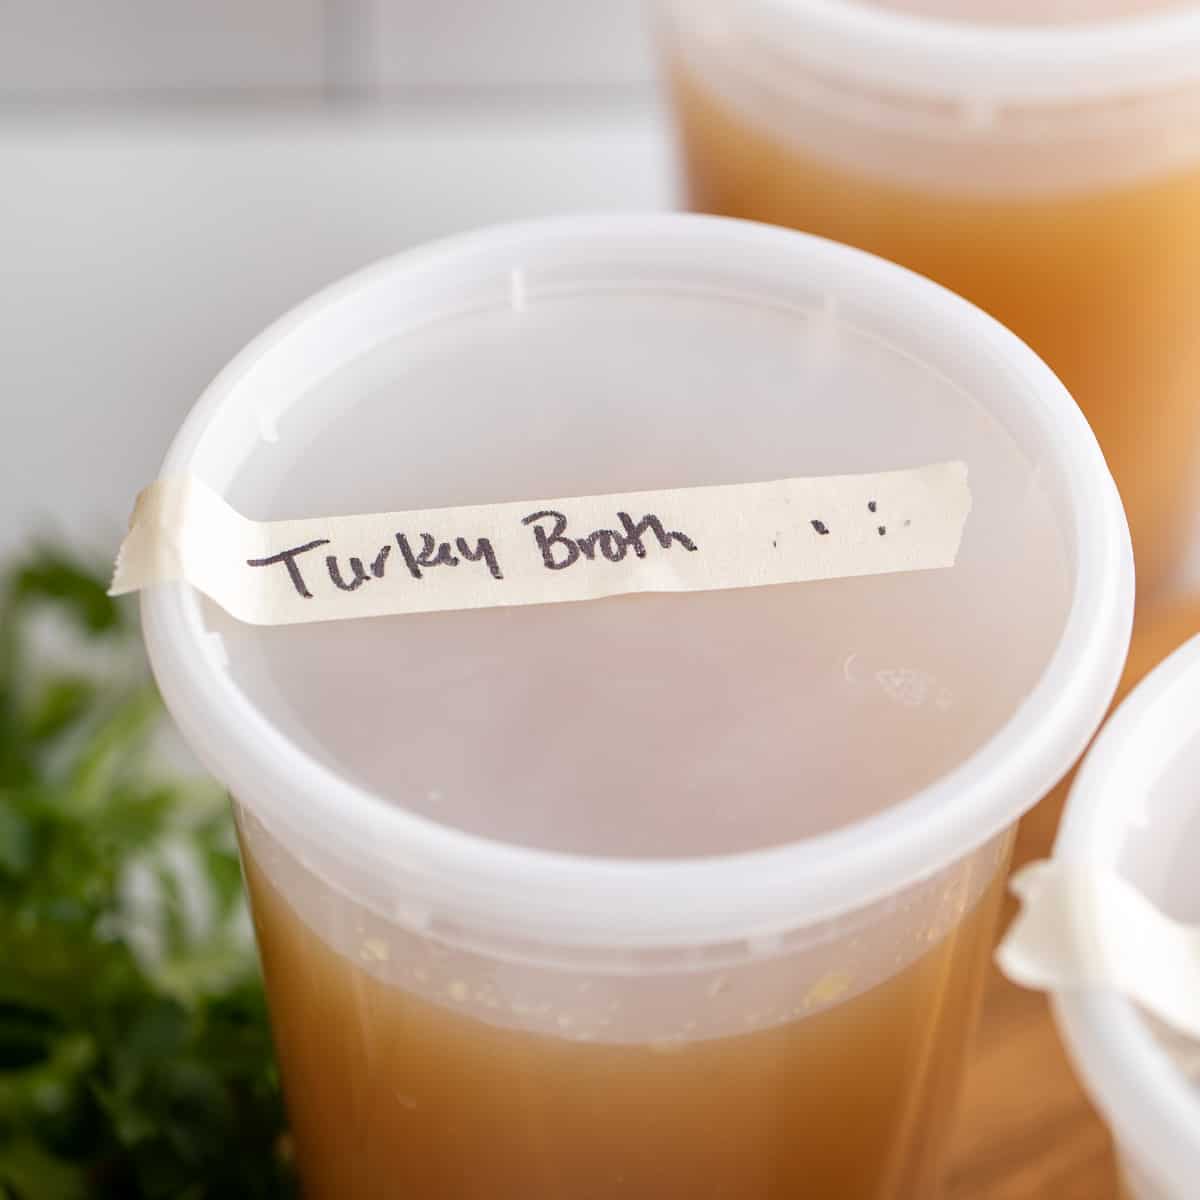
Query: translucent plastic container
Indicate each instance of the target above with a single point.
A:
(1136, 807)
(664, 895)
(1046, 166)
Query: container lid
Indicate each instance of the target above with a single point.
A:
(983, 55)
(1135, 807)
(651, 770)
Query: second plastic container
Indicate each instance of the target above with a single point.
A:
(1042, 160)
(1136, 807)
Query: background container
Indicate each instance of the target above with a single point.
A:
(1047, 168)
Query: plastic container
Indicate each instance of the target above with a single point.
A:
(1135, 806)
(656, 895)
(1047, 168)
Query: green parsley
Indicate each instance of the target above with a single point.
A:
(135, 1055)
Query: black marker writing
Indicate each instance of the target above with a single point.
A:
(335, 573)
(439, 554)
(634, 534)
(288, 558)
(433, 554)
(546, 543)
(483, 551)
(873, 507)
(559, 551)
(377, 567)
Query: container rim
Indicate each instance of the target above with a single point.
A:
(981, 63)
(583, 901)
(1153, 1108)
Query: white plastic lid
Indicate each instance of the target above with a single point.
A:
(593, 355)
(1135, 806)
(885, 48)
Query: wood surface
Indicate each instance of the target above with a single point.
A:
(1026, 1130)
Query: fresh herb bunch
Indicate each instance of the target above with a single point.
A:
(135, 1057)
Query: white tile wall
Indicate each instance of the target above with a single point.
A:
(504, 42)
(137, 256)
(49, 47)
(56, 48)
(143, 243)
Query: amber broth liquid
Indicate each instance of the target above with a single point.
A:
(393, 1096)
(1103, 284)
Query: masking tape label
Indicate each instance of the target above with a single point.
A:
(1082, 926)
(543, 551)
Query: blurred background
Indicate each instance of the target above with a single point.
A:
(178, 173)
(174, 174)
